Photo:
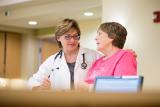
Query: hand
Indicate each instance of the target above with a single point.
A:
(82, 86)
(46, 85)
(133, 52)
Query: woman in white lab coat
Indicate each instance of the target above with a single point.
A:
(64, 69)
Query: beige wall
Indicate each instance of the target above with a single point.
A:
(143, 34)
(29, 55)
(88, 32)
(45, 32)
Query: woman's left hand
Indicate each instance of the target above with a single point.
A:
(82, 86)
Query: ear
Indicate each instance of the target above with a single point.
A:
(58, 38)
(111, 40)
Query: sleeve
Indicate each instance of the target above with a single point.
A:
(127, 65)
(37, 78)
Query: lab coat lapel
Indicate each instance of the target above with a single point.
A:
(78, 60)
(64, 63)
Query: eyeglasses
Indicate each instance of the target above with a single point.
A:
(68, 37)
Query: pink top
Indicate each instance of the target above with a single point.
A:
(122, 63)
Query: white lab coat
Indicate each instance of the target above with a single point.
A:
(59, 71)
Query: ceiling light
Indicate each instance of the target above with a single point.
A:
(88, 14)
(32, 22)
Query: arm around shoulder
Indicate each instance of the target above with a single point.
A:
(126, 66)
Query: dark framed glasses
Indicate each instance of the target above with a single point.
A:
(68, 37)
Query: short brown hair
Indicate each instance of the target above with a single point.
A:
(64, 27)
(115, 31)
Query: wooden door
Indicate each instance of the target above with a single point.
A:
(48, 48)
(13, 55)
(1, 54)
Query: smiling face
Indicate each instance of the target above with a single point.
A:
(70, 40)
(102, 41)
(67, 28)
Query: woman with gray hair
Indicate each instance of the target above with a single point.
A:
(110, 39)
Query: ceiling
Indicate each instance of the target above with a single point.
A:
(17, 13)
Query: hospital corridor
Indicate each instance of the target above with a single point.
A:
(50, 51)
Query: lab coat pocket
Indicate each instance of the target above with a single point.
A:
(60, 79)
(54, 76)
